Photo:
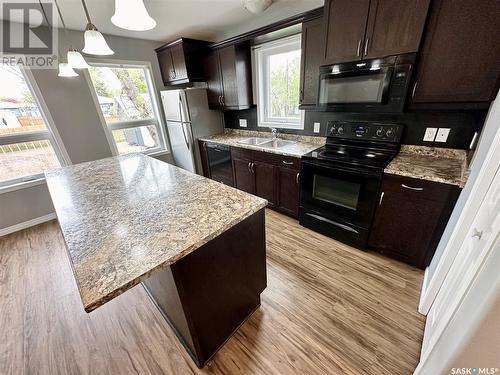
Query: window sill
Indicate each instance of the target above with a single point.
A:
(157, 153)
(22, 185)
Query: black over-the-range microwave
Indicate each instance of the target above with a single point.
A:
(377, 85)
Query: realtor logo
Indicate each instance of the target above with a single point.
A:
(26, 39)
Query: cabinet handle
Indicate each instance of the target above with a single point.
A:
(297, 178)
(248, 166)
(412, 188)
(358, 53)
(381, 198)
(366, 45)
(287, 162)
(222, 99)
(252, 167)
(414, 90)
(477, 234)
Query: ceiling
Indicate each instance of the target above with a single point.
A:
(205, 19)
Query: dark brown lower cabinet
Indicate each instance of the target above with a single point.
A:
(269, 176)
(411, 218)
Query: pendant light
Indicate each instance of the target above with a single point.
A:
(256, 6)
(66, 71)
(95, 44)
(132, 15)
(75, 58)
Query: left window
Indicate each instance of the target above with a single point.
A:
(27, 144)
(127, 102)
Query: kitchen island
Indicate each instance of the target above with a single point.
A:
(197, 246)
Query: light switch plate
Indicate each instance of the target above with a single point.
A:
(243, 123)
(430, 134)
(316, 127)
(442, 134)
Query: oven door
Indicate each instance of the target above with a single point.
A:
(355, 89)
(343, 194)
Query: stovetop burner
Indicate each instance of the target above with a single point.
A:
(359, 144)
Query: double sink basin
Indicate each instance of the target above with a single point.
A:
(266, 142)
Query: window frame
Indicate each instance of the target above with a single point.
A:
(157, 120)
(261, 83)
(50, 134)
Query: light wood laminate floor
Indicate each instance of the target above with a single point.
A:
(327, 309)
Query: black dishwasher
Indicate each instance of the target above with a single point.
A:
(219, 163)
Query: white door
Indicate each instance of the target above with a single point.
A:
(181, 145)
(479, 240)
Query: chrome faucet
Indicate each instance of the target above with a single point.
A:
(274, 133)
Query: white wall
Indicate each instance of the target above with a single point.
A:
(76, 118)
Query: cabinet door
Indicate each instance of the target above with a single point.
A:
(394, 27)
(410, 218)
(288, 191)
(166, 65)
(345, 29)
(312, 55)
(214, 85)
(178, 61)
(264, 181)
(227, 60)
(460, 56)
(243, 176)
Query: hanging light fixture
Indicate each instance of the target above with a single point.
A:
(75, 58)
(132, 15)
(95, 44)
(256, 6)
(66, 71)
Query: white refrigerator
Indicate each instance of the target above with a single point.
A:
(188, 118)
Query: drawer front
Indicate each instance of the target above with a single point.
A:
(277, 160)
(428, 190)
(241, 153)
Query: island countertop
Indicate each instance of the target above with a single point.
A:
(124, 217)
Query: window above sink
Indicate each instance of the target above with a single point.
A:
(276, 66)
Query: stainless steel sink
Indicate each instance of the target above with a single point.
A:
(256, 141)
(276, 143)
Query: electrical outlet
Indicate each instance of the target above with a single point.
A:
(430, 134)
(316, 127)
(243, 123)
(442, 134)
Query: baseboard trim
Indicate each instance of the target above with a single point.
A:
(27, 224)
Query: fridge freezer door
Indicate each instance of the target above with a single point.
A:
(181, 145)
(172, 105)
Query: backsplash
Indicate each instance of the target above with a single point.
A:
(462, 124)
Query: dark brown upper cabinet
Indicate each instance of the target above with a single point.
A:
(229, 77)
(460, 55)
(311, 58)
(359, 29)
(180, 61)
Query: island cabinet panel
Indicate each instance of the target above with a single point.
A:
(180, 61)
(311, 59)
(345, 29)
(411, 218)
(362, 29)
(229, 79)
(210, 292)
(460, 55)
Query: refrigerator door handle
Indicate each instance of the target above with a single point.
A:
(185, 138)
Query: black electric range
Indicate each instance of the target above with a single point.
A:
(340, 182)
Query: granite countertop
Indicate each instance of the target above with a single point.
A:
(303, 145)
(448, 166)
(124, 217)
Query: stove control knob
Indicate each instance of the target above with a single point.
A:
(333, 130)
(340, 130)
(390, 132)
(380, 132)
